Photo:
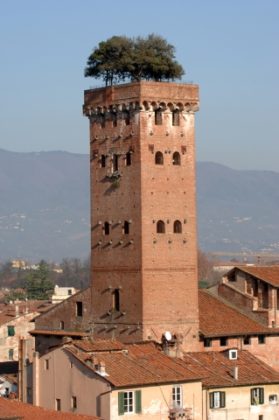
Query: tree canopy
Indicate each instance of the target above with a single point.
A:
(121, 58)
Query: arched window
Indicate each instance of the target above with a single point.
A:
(159, 158)
(176, 159)
(128, 159)
(177, 227)
(175, 117)
(161, 226)
(115, 163)
(126, 228)
(106, 228)
(116, 300)
(158, 117)
(103, 161)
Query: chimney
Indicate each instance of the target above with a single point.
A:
(102, 368)
(235, 372)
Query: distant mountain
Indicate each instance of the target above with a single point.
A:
(44, 207)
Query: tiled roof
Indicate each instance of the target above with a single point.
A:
(99, 345)
(217, 369)
(11, 310)
(268, 273)
(58, 332)
(218, 319)
(138, 364)
(11, 409)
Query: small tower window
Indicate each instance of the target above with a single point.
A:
(115, 163)
(159, 158)
(103, 121)
(158, 117)
(128, 159)
(127, 117)
(106, 228)
(176, 160)
(161, 226)
(177, 227)
(126, 228)
(62, 325)
(103, 161)
(79, 309)
(175, 117)
(114, 119)
(116, 300)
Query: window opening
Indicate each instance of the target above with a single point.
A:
(176, 159)
(158, 117)
(128, 159)
(47, 364)
(177, 227)
(106, 228)
(74, 403)
(115, 163)
(79, 309)
(11, 354)
(161, 226)
(223, 341)
(62, 325)
(207, 342)
(116, 300)
(114, 119)
(261, 339)
(247, 340)
(175, 117)
(11, 330)
(129, 402)
(103, 121)
(126, 228)
(177, 396)
(127, 117)
(159, 158)
(70, 292)
(103, 161)
(273, 399)
(58, 404)
(257, 396)
(217, 399)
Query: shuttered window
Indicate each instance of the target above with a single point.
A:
(217, 399)
(129, 402)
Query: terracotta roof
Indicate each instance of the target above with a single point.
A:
(268, 273)
(138, 364)
(88, 345)
(217, 369)
(11, 409)
(63, 333)
(218, 319)
(10, 311)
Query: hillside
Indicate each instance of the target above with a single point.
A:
(44, 207)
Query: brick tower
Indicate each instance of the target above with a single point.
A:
(143, 212)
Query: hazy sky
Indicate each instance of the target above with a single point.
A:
(230, 48)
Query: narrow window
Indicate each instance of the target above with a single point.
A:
(261, 339)
(128, 159)
(11, 330)
(115, 163)
(161, 226)
(11, 354)
(176, 159)
(103, 121)
(62, 325)
(79, 309)
(69, 292)
(158, 117)
(177, 227)
(103, 161)
(47, 364)
(126, 228)
(114, 119)
(247, 340)
(223, 341)
(257, 396)
(106, 228)
(58, 404)
(175, 117)
(159, 158)
(177, 396)
(207, 342)
(127, 117)
(116, 300)
(74, 403)
(217, 399)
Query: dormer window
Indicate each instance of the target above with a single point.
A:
(233, 354)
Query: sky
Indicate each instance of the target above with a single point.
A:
(229, 48)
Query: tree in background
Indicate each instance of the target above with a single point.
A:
(120, 58)
(37, 283)
(206, 275)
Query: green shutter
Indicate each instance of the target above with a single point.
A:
(222, 399)
(211, 399)
(120, 403)
(261, 396)
(11, 330)
(138, 401)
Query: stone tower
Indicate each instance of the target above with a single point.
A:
(143, 212)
